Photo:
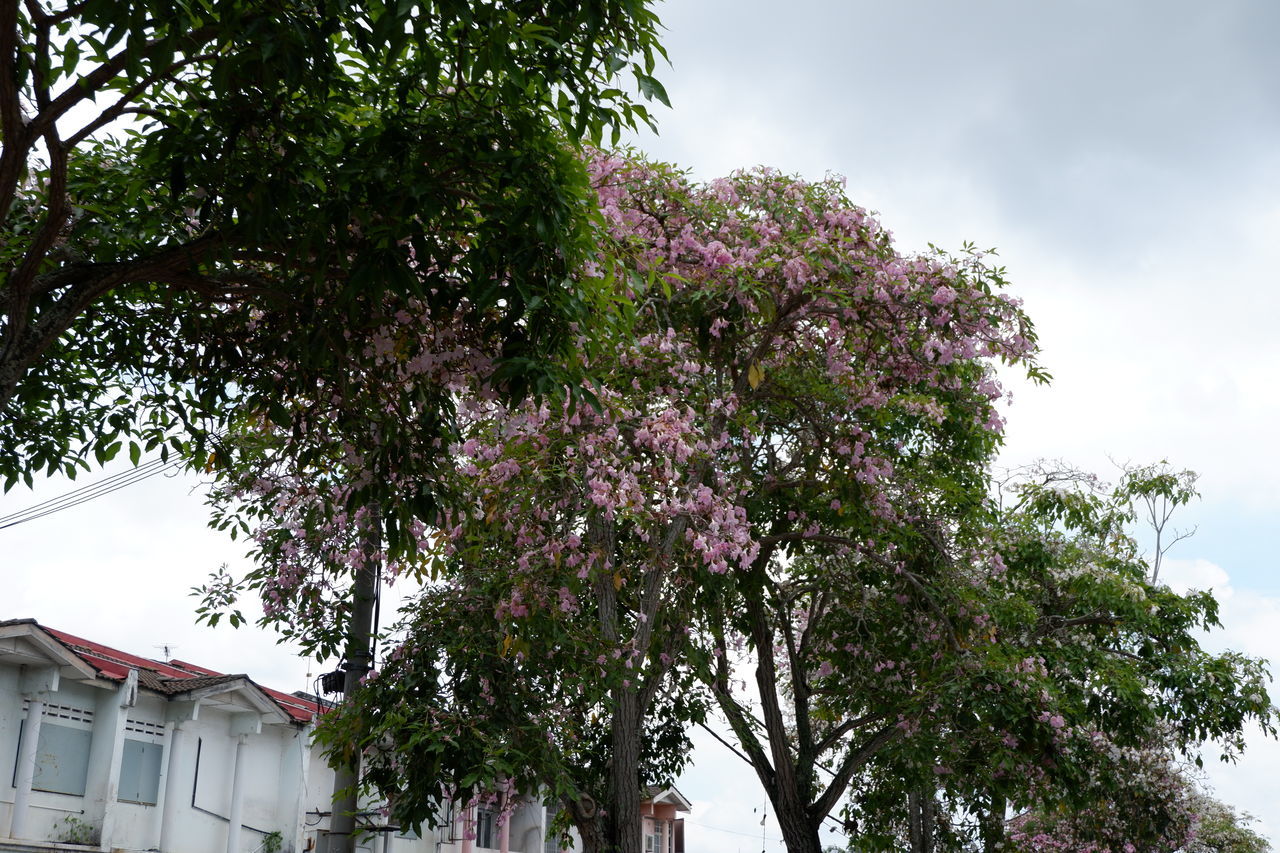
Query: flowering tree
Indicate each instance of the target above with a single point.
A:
(785, 467)
(790, 375)
(1150, 803)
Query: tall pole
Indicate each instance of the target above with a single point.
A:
(342, 824)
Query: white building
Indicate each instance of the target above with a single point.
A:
(120, 752)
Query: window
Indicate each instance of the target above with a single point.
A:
(484, 828)
(62, 759)
(551, 840)
(653, 843)
(140, 771)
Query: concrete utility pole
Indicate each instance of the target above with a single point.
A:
(342, 825)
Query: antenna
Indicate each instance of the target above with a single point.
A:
(169, 649)
(763, 819)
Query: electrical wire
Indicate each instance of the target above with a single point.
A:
(106, 486)
(104, 481)
(722, 829)
(748, 761)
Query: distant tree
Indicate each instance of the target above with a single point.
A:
(206, 209)
(1158, 806)
(1091, 681)
(1219, 828)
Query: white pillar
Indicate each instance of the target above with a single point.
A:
(106, 753)
(234, 826)
(468, 827)
(26, 765)
(504, 818)
(173, 789)
(295, 766)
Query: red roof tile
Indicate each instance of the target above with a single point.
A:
(167, 677)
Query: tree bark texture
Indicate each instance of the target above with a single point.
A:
(342, 824)
(622, 820)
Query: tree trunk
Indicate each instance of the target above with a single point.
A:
(342, 823)
(922, 819)
(622, 818)
(915, 831)
(928, 819)
(585, 815)
(799, 829)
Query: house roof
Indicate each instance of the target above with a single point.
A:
(24, 642)
(668, 794)
(170, 679)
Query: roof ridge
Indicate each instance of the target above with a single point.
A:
(163, 677)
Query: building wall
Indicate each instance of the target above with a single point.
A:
(10, 715)
(73, 708)
(287, 782)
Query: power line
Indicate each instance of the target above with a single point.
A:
(733, 831)
(736, 752)
(106, 486)
(104, 481)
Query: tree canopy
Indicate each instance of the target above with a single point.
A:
(208, 208)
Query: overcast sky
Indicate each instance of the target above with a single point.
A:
(1123, 158)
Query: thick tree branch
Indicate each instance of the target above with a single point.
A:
(852, 762)
(799, 689)
(737, 717)
(835, 735)
(15, 137)
(24, 344)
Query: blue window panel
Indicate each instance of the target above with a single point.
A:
(140, 772)
(62, 760)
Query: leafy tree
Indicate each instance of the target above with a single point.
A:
(1152, 803)
(1090, 681)
(1220, 829)
(206, 209)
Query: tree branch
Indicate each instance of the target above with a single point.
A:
(852, 762)
(16, 135)
(93, 82)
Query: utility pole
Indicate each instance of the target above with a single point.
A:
(342, 824)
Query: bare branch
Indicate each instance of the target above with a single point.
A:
(835, 735)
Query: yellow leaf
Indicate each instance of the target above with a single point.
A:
(755, 376)
(617, 581)
(506, 645)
